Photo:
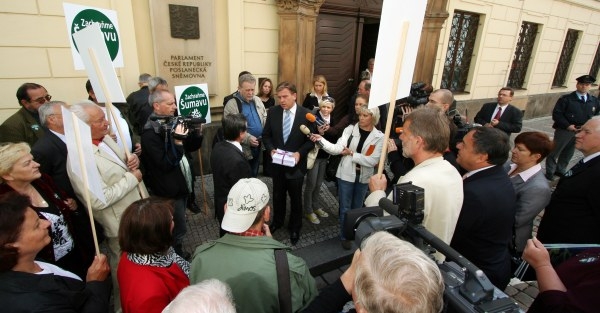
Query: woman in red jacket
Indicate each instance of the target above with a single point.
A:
(150, 273)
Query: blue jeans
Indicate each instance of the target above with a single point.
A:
(351, 196)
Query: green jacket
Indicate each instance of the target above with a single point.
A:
(21, 126)
(247, 265)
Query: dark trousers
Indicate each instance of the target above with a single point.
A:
(281, 188)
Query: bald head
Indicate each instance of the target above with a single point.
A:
(441, 99)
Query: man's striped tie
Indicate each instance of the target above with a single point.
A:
(287, 125)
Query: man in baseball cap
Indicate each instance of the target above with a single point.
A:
(244, 258)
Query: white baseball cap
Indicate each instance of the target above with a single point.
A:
(245, 199)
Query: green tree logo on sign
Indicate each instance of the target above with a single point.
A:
(193, 102)
(88, 17)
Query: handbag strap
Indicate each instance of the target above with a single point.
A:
(350, 138)
(283, 281)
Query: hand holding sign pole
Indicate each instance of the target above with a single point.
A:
(103, 78)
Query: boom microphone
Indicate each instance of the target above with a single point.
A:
(307, 132)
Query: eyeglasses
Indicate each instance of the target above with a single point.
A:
(42, 100)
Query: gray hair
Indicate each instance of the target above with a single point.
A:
(80, 109)
(46, 110)
(155, 81)
(155, 97)
(208, 296)
(246, 78)
(144, 78)
(392, 275)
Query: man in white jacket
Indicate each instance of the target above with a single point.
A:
(424, 139)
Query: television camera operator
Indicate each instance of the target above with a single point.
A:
(166, 138)
(420, 95)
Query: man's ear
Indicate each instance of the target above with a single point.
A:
(267, 214)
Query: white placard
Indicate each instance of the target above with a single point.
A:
(89, 41)
(86, 149)
(79, 17)
(394, 14)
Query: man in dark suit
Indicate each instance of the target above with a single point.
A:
(228, 162)
(573, 214)
(570, 112)
(282, 131)
(484, 228)
(138, 100)
(501, 115)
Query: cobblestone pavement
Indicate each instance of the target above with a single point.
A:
(203, 227)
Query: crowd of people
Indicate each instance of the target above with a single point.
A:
(481, 198)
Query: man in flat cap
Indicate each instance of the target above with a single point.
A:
(570, 113)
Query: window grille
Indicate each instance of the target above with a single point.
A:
(565, 58)
(460, 50)
(596, 64)
(523, 52)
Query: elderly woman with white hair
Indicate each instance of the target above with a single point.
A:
(360, 145)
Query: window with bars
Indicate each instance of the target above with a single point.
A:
(596, 64)
(460, 50)
(523, 52)
(566, 56)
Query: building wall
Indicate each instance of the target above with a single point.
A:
(246, 32)
(35, 48)
(500, 22)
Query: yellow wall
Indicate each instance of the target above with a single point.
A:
(35, 48)
(38, 49)
(500, 23)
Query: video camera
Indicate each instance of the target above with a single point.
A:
(168, 123)
(467, 288)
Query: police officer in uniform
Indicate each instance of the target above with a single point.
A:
(570, 113)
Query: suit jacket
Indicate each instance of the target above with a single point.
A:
(511, 119)
(136, 101)
(228, 165)
(21, 126)
(51, 152)
(532, 197)
(484, 228)
(573, 214)
(297, 141)
(118, 185)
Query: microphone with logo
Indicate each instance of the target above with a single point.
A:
(307, 132)
(313, 119)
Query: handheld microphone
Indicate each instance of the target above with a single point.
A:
(307, 132)
(313, 119)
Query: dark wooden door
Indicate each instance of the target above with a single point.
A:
(335, 55)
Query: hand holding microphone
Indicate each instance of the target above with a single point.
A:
(313, 137)
(313, 119)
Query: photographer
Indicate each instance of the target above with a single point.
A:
(165, 140)
(386, 275)
(424, 140)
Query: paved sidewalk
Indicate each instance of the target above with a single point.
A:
(203, 227)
